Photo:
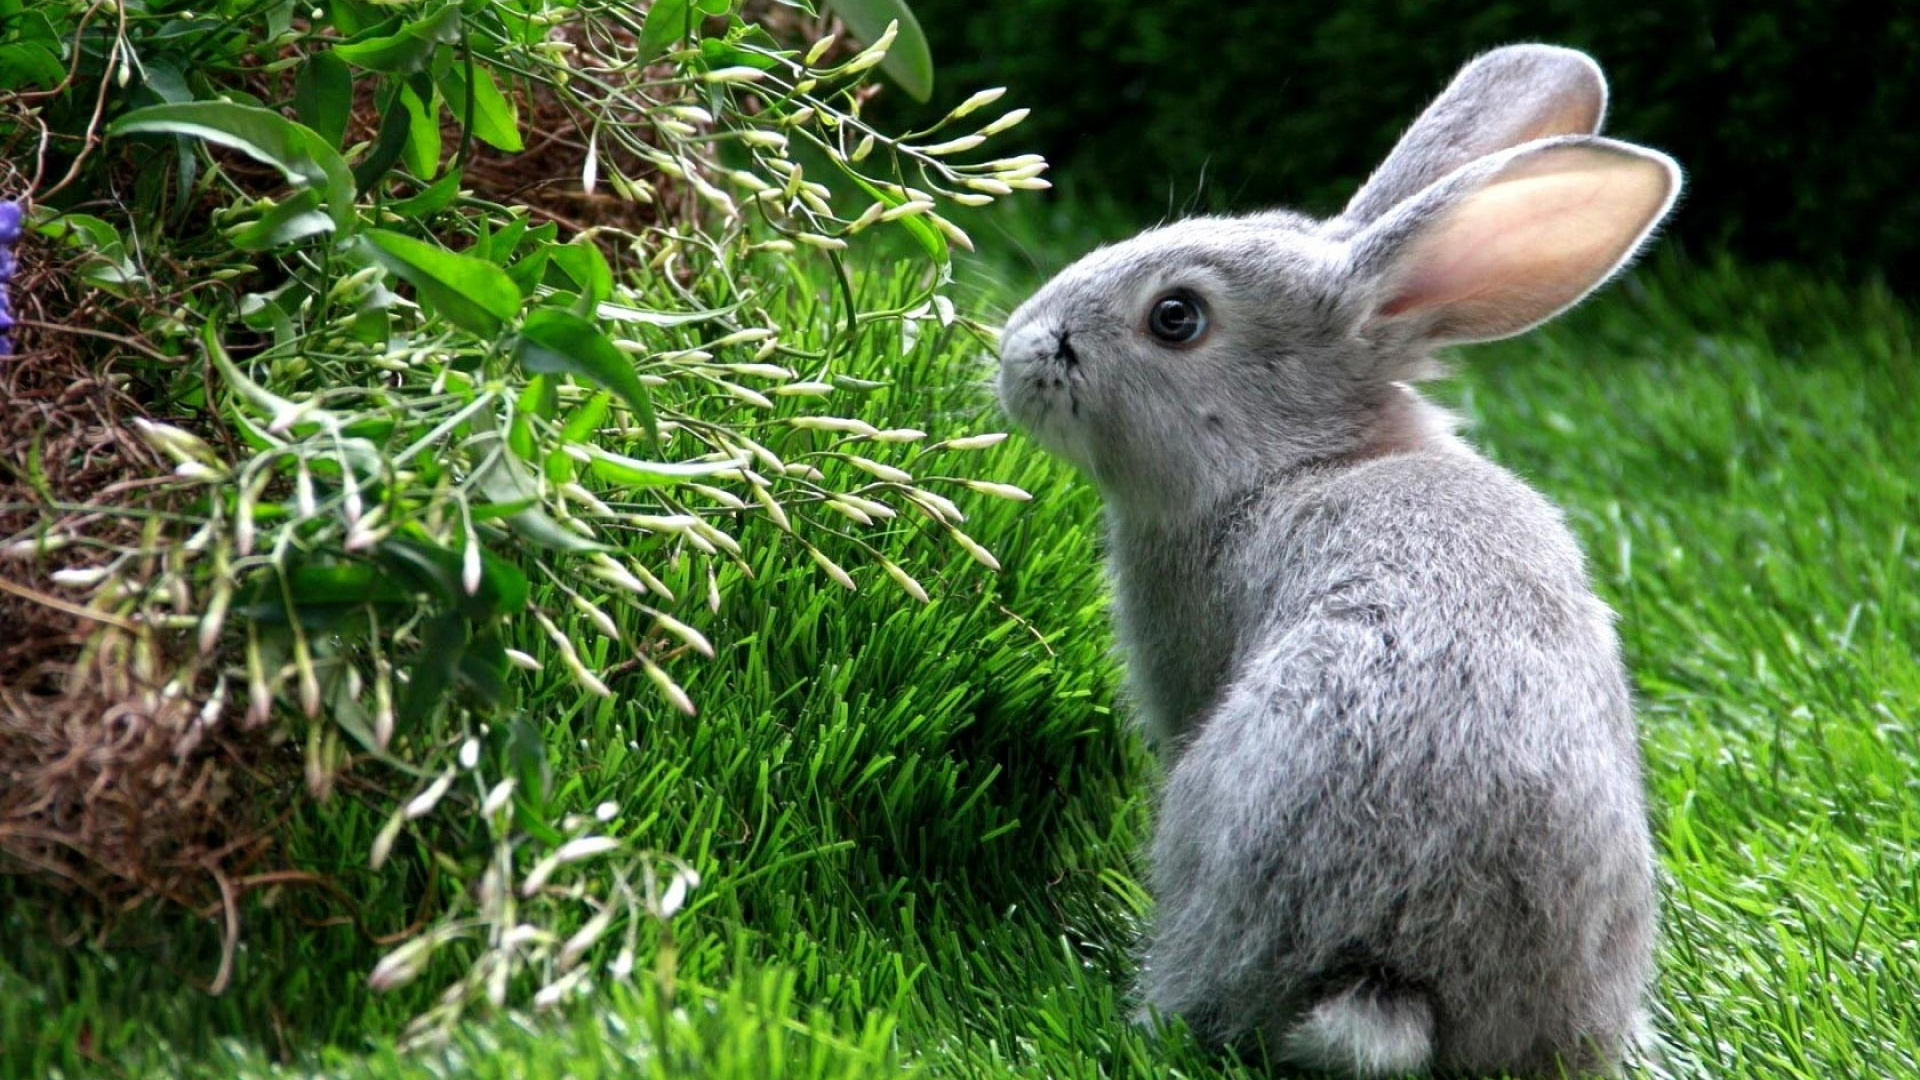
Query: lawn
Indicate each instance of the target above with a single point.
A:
(917, 826)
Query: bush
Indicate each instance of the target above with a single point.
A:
(345, 419)
(1792, 117)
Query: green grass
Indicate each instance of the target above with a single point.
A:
(917, 825)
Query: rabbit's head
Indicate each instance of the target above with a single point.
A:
(1186, 362)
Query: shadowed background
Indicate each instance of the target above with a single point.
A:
(1793, 118)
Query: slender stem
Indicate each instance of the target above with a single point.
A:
(442, 429)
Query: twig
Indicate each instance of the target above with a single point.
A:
(115, 56)
(119, 339)
(1037, 636)
(230, 937)
(73, 69)
(57, 604)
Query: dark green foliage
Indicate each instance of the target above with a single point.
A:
(910, 62)
(420, 445)
(1793, 118)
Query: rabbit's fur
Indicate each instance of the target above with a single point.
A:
(1403, 828)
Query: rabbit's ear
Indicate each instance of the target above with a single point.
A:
(1510, 96)
(1514, 239)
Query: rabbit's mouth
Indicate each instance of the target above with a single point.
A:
(1051, 390)
(1039, 376)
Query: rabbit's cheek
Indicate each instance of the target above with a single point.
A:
(1040, 401)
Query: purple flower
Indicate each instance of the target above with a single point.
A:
(10, 216)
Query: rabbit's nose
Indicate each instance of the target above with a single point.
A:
(1063, 350)
(1029, 344)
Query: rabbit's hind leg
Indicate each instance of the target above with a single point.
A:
(1364, 1030)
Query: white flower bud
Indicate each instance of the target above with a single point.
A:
(953, 146)
(734, 75)
(979, 100)
(975, 442)
(1005, 122)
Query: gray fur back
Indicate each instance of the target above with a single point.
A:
(1421, 773)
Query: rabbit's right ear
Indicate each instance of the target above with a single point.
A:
(1513, 239)
(1510, 96)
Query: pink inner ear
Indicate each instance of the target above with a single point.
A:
(1531, 241)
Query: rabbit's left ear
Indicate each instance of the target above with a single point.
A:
(1512, 240)
(1510, 96)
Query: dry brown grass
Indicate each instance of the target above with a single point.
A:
(118, 783)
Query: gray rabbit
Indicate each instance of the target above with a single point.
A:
(1403, 828)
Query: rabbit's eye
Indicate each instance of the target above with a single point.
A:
(1178, 318)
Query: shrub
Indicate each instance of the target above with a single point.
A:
(439, 341)
(1793, 118)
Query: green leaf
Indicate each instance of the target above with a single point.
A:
(268, 610)
(261, 134)
(442, 644)
(506, 480)
(520, 437)
(342, 583)
(185, 30)
(631, 472)
(166, 82)
(355, 18)
(371, 324)
(471, 293)
(495, 120)
(909, 63)
(483, 670)
(396, 125)
(530, 269)
(264, 401)
(268, 313)
(581, 260)
(497, 245)
(586, 418)
(584, 421)
(556, 341)
(542, 399)
(437, 569)
(103, 253)
(430, 200)
(374, 429)
(526, 753)
(24, 23)
(29, 64)
(422, 148)
(537, 526)
(162, 82)
(721, 54)
(294, 220)
(323, 96)
(409, 49)
(352, 717)
(542, 234)
(279, 18)
(668, 21)
(323, 595)
(495, 511)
